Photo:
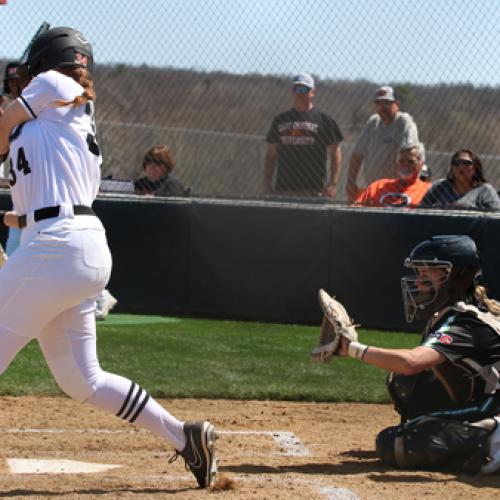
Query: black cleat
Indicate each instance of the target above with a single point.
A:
(199, 452)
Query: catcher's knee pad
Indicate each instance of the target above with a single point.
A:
(428, 442)
(416, 395)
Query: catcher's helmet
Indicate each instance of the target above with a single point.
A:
(59, 48)
(457, 257)
(10, 74)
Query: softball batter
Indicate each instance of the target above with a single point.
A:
(48, 287)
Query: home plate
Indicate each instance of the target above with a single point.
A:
(33, 466)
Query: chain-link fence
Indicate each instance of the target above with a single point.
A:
(215, 119)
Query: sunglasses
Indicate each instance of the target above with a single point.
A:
(457, 162)
(301, 89)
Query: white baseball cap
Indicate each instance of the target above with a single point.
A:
(304, 79)
(384, 93)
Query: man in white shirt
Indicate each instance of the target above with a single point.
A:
(385, 133)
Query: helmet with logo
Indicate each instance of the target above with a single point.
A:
(454, 261)
(10, 74)
(59, 48)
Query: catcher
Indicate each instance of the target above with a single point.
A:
(447, 389)
(13, 84)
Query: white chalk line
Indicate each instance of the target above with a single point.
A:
(336, 493)
(75, 431)
(56, 466)
(286, 441)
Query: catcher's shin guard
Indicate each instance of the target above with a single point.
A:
(430, 442)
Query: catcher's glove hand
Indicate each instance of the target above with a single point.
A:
(336, 323)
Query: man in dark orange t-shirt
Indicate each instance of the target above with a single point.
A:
(406, 189)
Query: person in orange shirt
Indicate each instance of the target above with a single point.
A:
(407, 189)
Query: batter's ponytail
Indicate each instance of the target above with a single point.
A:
(81, 76)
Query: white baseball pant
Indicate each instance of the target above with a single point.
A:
(47, 292)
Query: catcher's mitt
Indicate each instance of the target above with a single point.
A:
(336, 322)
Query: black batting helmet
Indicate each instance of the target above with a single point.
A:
(10, 74)
(59, 48)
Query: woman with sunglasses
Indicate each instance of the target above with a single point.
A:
(464, 187)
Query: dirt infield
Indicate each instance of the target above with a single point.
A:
(266, 449)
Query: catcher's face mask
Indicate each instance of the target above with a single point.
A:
(421, 290)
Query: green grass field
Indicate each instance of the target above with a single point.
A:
(173, 357)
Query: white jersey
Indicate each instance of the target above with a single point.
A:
(54, 157)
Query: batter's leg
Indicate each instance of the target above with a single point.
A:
(68, 344)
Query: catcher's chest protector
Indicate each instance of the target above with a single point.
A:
(416, 395)
(460, 379)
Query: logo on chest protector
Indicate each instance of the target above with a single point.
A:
(445, 339)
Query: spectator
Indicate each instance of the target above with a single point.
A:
(13, 82)
(11, 90)
(158, 165)
(407, 189)
(464, 187)
(12, 87)
(11, 79)
(377, 148)
(298, 142)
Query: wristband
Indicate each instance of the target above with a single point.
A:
(357, 350)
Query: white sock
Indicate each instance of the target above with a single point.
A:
(127, 400)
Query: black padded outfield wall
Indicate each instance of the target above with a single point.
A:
(265, 261)
(149, 242)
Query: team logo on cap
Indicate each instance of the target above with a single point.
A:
(81, 39)
(445, 339)
(382, 93)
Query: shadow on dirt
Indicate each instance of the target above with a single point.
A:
(363, 462)
(366, 462)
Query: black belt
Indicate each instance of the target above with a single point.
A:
(50, 212)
